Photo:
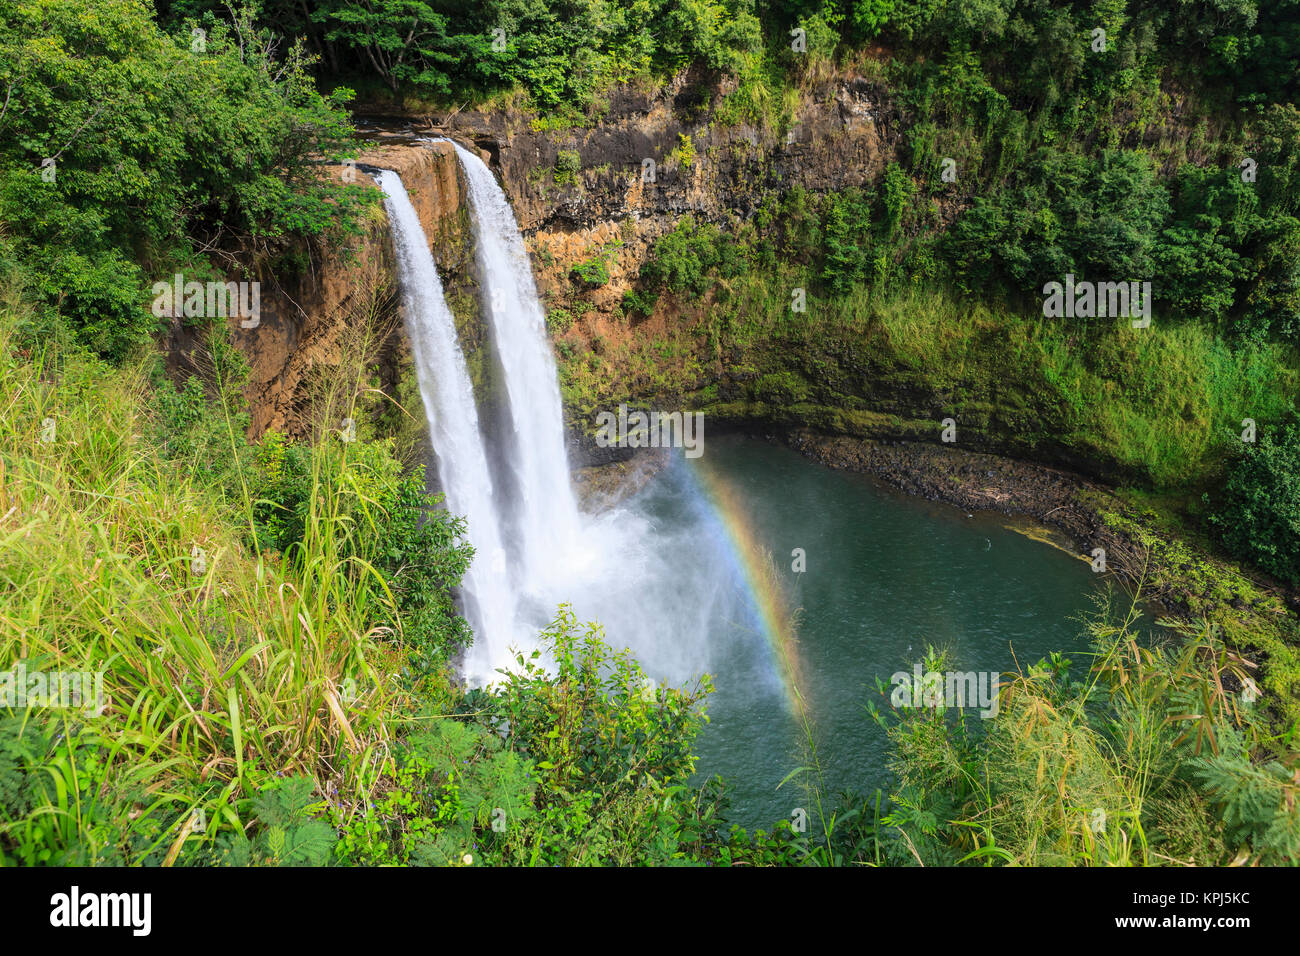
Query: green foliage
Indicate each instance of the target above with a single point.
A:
(717, 33)
(594, 271)
(1256, 800)
(587, 764)
(781, 388)
(567, 164)
(1251, 46)
(1054, 152)
(612, 753)
(202, 425)
(1147, 759)
(286, 833)
(1224, 256)
(418, 549)
(639, 301)
(404, 41)
(598, 721)
(216, 661)
(684, 153)
(1257, 514)
(870, 16)
(16, 752)
(451, 782)
(847, 237)
(68, 801)
(561, 54)
(691, 257)
(558, 321)
(897, 192)
(1097, 219)
(158, 151)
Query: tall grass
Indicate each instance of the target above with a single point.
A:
(1165, 403)
(222, 667)
(1155, 755)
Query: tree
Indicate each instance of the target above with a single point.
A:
(124, 151)
(404, 41)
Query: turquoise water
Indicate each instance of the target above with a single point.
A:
(886, 575)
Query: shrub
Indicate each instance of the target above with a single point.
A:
(1097, 218)
(1258, 517)
(592, 272)
(558, 321)
(687, 259)
(567, 164)
(135, 190)
(416, 546)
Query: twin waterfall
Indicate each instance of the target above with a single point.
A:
(527, 536)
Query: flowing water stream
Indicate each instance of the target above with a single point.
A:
(696, 572)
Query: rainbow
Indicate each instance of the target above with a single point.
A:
(758, 571)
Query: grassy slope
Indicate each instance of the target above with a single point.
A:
(222, 667)
(1159, 406)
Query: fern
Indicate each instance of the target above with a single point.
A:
(1257, 803)
(289, 836)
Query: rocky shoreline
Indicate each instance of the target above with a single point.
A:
(1059, 500)
(970, 480)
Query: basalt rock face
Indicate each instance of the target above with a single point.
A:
(842, 136)
(300, 327)
(626, 179)
(433, 180)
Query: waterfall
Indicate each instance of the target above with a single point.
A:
(655, 589)
(545, 517)
(652, 589)
(448, 399)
